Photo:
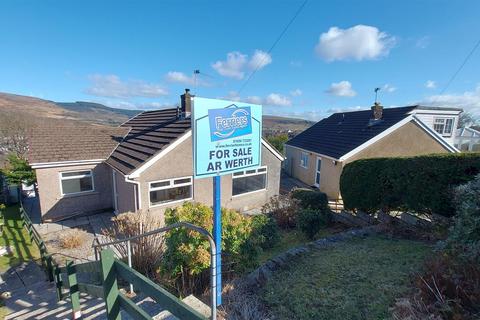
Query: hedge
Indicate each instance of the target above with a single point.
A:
(421, 184)
(311, 199)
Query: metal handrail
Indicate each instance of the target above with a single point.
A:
(202, 231)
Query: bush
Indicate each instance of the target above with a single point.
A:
(310, 221)
(147, 252)
(464, 236)
(311, 199)
(72, 238)
(283, 209)
(421, 184)
(187, 257)
(265, 231)
(448, 289)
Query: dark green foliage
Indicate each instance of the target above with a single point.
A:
(464, 237)
(18, 171)
(423, 184)
(265, 231)
(311, 199)
(310, 221)
(278, 141)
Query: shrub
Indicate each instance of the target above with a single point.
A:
(422, 184)
(310, 199)
(147, 252)
(72, 238)
(310, 221)
(464, 236)
(265, 231)
(448, 289)
(187, 257)
(283, 209)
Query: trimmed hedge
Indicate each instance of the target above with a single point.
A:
(311, 199)
(421, 184)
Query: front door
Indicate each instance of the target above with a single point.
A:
(318, 166)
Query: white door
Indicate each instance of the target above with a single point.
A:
(318, 166)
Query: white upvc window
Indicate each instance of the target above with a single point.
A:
(304, 160)
(75, 182)
(170, 190)
(443, 126)
(249, 181)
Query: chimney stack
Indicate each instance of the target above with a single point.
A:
(186, 100)
(377, 109)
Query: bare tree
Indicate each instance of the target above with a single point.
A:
(13, 132)
(467, 119)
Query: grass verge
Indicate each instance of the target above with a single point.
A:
(17, 238)
(356, 279)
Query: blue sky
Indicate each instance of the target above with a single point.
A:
(142, 54)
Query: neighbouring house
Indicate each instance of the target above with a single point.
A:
(467, 139)
(145, 164)
(318, 155)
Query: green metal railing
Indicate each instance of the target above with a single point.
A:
(106, 274)
(45, 257)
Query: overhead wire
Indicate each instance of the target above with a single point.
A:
(285, 29)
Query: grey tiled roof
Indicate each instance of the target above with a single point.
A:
(342, 132)
(72, 142)
(151, 132)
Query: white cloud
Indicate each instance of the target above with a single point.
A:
(358, 43)
(259, 60)
(122, 104)
(430, 84)
(276, 99)
(273, 99)
(422, 42)
(112, 86)
(469, 101)
(180, 77)
(238, 63)
(389, 88)
(345, 109)
(296, 92)
(341, 89)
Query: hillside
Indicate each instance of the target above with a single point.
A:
(96, 113)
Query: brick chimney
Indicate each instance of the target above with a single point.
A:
(377, 109)
(186, 100)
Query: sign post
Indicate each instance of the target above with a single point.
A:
(226, 139)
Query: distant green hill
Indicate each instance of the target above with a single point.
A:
(83, 106)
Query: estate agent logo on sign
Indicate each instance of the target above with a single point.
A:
(226, 136)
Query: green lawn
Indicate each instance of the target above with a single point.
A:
(291, 239)
(16, 237)
(357, 279)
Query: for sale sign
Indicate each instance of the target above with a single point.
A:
(226, 136)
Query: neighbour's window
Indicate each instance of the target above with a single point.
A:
(443, 126)
(76, 182)
(170, 190)
(249, 181)
(304, 160)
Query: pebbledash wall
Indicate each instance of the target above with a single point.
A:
(54, 205)
(179, 163)
(409, 140)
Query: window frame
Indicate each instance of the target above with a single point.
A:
(61, 178)
(302, 164)
(444, 120)
(170, 186)
(235, 175)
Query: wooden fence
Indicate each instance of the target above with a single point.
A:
(45, 257)
(105, 275)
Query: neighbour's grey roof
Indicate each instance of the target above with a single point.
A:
(72, 142)
(151, 132)
(342, 132)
